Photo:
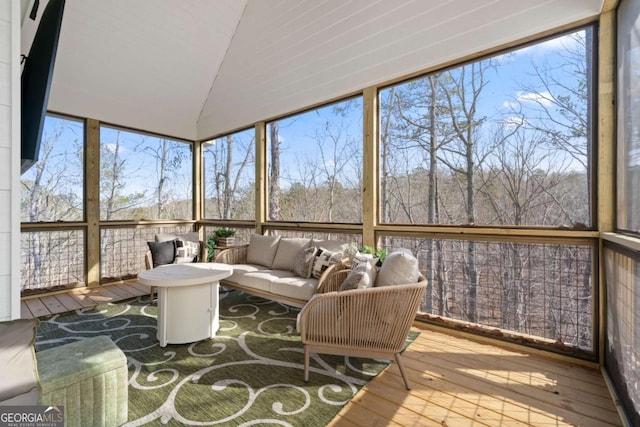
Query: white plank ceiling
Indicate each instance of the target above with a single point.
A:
(197, 68)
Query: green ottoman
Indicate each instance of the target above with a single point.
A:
(89, 378)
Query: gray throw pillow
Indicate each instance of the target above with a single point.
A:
(304, 262)
(361, 276)
(162, 252)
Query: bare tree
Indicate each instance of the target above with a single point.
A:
(274, 172)
(113, 178)
(226, 174)
(336, 150)
(463, 155)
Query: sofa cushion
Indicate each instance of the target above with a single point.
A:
(162, 252)
(255, 277)
(239, 270)
(360, 277)
(324, 259)
(262, 249)
(293, 286)
(18, 368)
(304, 262)
(399, 267)
(288, 249)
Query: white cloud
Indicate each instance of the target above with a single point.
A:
(542, 98)
(112, 148)
(510, 104)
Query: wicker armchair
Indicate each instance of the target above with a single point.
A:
(371, 323)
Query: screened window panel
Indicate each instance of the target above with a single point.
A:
(51, 259)
(314, 166)
(229, 176)
(53, 188)
(622, 355)
(144, 177)
(628, 129)
(504, 141)
(540, 290)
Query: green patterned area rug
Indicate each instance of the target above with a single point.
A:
(250, 374)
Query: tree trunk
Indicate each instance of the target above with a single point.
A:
(228, 189)
(162, 179)
(384, 143)
(274, 174)
(431, 195)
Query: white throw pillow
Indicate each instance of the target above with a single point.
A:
(288, 249)
(324, 259)
(262, 249)
(398, 268)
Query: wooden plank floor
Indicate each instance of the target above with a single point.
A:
(456, 381)
(73, 299)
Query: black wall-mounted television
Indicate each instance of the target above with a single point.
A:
(36, 81)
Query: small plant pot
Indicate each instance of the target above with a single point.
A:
(225, 241)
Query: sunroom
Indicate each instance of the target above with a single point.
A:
(496, 140)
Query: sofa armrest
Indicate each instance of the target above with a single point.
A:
(235, 255)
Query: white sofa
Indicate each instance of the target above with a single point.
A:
(287, 270)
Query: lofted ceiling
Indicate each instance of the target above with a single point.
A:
(197, 68)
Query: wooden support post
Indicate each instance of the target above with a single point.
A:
(92, 197)
(261, 174)
(198, 196)
(606, 154)
(370, 173)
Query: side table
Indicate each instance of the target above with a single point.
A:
(187, 300)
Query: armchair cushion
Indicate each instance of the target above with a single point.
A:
(18, 368)
(399, 267)
(262, 249)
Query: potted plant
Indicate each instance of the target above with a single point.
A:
(379, 254)
(224, 237)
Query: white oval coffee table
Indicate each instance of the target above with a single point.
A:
(187, 300)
